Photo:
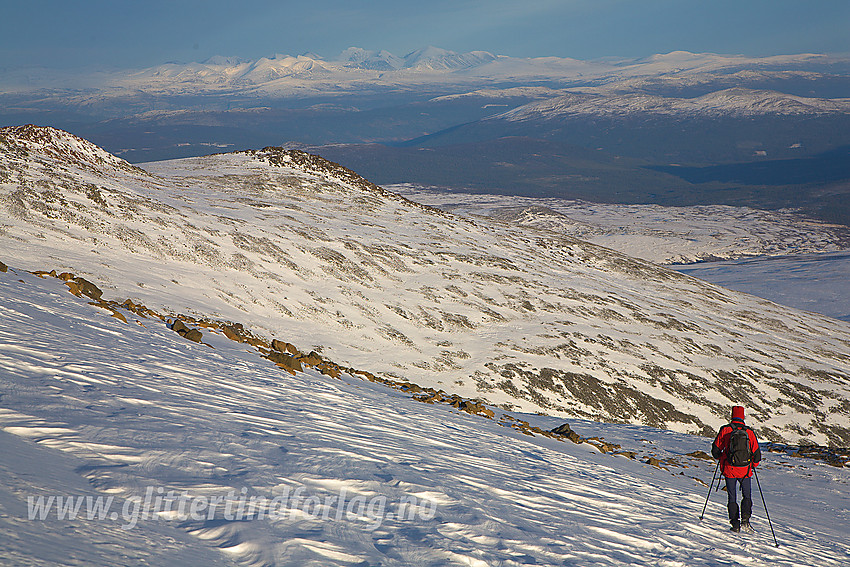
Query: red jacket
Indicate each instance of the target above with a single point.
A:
(721, 444)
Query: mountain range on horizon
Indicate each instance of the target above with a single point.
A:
(675, 129)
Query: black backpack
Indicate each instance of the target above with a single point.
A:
(739, 451)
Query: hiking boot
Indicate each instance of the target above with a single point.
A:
(746, 527)
(736, 527)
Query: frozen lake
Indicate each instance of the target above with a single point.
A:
(814, 282)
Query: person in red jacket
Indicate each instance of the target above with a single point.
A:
(737, 460)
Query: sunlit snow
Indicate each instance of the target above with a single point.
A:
(94, 407)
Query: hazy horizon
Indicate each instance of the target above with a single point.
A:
(109, 35)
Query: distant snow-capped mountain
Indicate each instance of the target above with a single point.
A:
(728, 102)
(436, 59)
(435, 66)
(300, 249)
(352, 64)
(427, 59)
(374, 60)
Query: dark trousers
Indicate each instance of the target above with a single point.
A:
(746, 501)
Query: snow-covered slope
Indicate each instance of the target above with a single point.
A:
(735, 102)
(206, 454)
(299, 249)
(663, 235)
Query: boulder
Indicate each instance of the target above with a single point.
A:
(193, 335)
(312, 359)
(232, 333)
(284, 347)
(179, 327)
(286, 361)
(330, 369)
(111, 307)
(565, 431)
(255, 342)
(85, 287)
(429, 397)
(476, 408)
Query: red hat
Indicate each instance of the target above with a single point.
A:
(738, 413)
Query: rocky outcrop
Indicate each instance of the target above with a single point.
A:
(286, 361)
(180, 328)
(565, 431)
(60, 145)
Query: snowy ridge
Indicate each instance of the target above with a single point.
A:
(59, 145)
(728, 102)
(275, 74)
(95, 406)
(297, 248)
(283, 75)
(433, 58)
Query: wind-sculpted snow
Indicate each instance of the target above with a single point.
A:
(95, 409)
(297, 248)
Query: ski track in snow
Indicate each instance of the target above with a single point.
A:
(113, 407)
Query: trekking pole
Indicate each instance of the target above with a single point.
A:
(769, 523)
(709, 490)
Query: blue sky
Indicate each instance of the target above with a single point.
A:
(124, 33)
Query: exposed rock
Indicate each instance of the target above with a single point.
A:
(565, 431)
(80, 286)
(835, 456)
(192, 334)
(330, 369)
(109, 307)
(602, 445)
(312, 359)
(179, 327)
(141, 310)
(3, 267)
(284, 347)
(477, 408)
(255, 342)
(430, 397)
(286, 361)
(232, 333)
(412, 388)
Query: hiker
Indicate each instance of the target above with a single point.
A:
(738, 450)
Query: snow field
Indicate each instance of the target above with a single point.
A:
(309, 253)
(664, 235)
(126, 406)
